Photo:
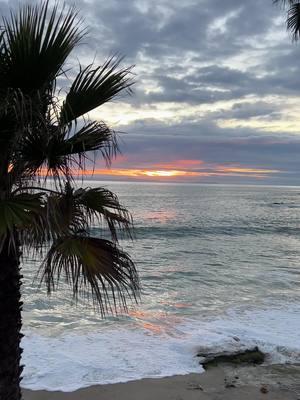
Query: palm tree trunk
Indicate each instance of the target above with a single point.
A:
(10, 324)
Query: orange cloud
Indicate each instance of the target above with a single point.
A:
(177, 169)
(172, 173)
(167, 173)
(242, 170)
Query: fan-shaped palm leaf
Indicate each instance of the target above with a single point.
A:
(73, 211)
(285, 2)
(18, 212)
(293, 16)
(94, 87)
(40, 136)
(93, 136)
(95, 263)
(37, 44)
(293, 20)
(51, 149)
(104, 205)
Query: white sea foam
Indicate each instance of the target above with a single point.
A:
(73, 361)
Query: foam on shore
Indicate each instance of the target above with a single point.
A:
(72, 361)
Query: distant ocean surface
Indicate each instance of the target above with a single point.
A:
(220, 269)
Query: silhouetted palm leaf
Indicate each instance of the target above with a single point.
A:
(18, 212)
(293, 16)
(104, 205)
(42, 135)
(39, 136)
(37, 44)
(293, 21)
(72, 211)
(93, 136)
(94, 87)
(97, 263)
(51, 148)
(285, 2)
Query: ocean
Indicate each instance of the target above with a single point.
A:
(220, 269)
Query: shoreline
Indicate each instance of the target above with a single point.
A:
(274, 382)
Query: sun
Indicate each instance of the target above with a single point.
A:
(161, 173)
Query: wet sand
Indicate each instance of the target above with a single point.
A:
(280, 382)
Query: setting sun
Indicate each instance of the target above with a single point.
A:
(165, 173)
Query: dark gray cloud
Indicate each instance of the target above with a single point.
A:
(246, 111)
(214, 83)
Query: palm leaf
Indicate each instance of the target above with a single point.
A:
(40, 42)
(95, 264)
(94, 87)
(18, 212)
(102, 204)
(59, 216)
(293, 20)
(293, 16)
(63, 214)
(72, 211)
(36, 133)
(3, 56)
(93, 136)
(37, 148)
(51, 148)
(285, 3)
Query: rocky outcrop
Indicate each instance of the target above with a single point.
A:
(250, 356)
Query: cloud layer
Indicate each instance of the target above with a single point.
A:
(216, 81)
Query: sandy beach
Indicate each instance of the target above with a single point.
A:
(281, 382)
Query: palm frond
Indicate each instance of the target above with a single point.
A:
(293, 21)
(94, 87)
(3, 56)
(39, 136)
(17, 213)
(293, 16)
(72, 211)
(285, 3)
(93, 136)
(58, 217)
(49, 148)
(63, 214)
(39, 42)
(102, 204)
(38, 147)
(95, 264)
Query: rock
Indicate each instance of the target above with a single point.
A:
(264, 390)
(252, 356)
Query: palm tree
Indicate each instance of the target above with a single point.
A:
(44, 135)
(293, 16)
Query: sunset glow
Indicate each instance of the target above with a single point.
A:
(186, 170)
(138, 173)
(169, 173)
(250, 170)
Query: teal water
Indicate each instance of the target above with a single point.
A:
(216, 262)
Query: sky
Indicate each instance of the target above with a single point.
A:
(217, 91)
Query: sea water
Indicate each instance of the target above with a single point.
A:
(220, 269)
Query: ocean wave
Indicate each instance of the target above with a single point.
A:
(127, 353)
(157, 232)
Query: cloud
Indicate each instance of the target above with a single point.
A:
(216, 81)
